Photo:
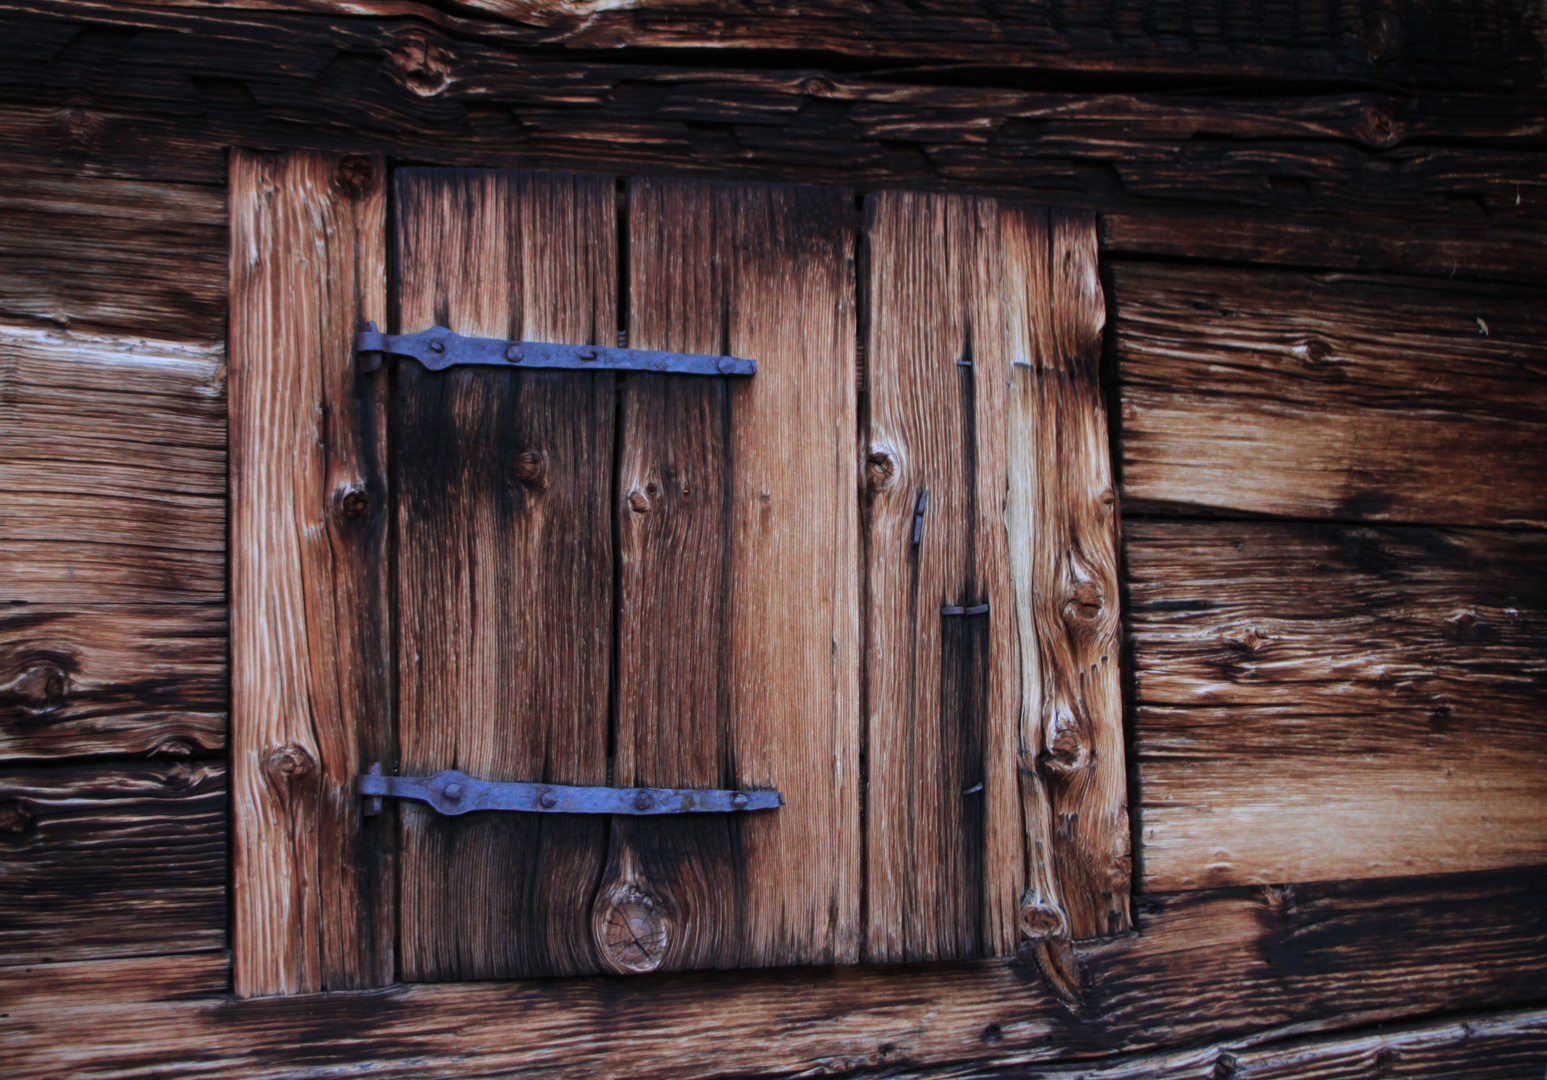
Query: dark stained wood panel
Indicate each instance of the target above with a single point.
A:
(144, 257)
(738, 651)
(112, 860)
(311, 880)
(112, 480)
(112, 680)
(938, 795)
(1331, 396)
(1214, 965)
(504, 564)
(1331, 702)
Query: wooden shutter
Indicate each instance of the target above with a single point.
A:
(889, 593)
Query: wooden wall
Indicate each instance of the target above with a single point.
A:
(1324, 234)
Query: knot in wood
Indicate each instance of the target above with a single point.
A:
(1067, 747)
(356, 176)
(173, 748)
(288, 764)
(638, 501)
(1313, 351)
(1378, 128)
(634, 933)
(41, 688)
(77, 126)
(15, 818)
(1084, 601)
(880, 468)
(1040, 921)
(529, 468)
(423, 65)
(355, 503)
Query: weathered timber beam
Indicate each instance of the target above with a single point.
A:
(129, 98)
(1395, 679)
(112, 480)
(112, 680)
(111, 860)
(1307, 396)
(1446, 44)
(1212, 965)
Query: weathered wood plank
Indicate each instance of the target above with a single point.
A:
(1208, 965)
(112, 481)
(1061, 516)
(112, 680)
(1448, 44)
(1323, 702)
(937, 741)
(505, 564)
(143, 257)
(1343, 397)
(738, 624)
(309, 664)
(111, 860)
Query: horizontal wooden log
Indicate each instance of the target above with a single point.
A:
(1395, 176)
(112, 680)
(1330, 396)
(111, 860)
(1213, 965)
(142, 257)
(1320, 702)
(112, 476)
(1445, 44)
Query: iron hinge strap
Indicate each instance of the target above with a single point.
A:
(453, 792)
(438, 348)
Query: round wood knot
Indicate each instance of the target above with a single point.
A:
(1040, 921)
(529, 468)
(422, 65)
(880, 468)
(356, 176)
(1314, 352)
(634, 932)
(41, 688)
(286, 765)
(1067, 748)
(1084, 601)
(355, 503)
(1378, 128)
(638, 501)
(15, 818)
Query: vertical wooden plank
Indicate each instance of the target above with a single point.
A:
(943, 847)
(504, 564)
(1062, 518)
(309, 669)
(738, 596)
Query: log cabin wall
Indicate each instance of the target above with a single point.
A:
(1324, 253)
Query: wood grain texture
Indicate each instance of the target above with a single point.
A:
(1347, 179)
(309, 640)
(939, 740)
(738, 652)
(504, 564)
(1214, 965)
(1393, 678)
(1331, 396)
(112, 860)
(142, 257)
(1061, 515)
(112, 480)
(111, 680)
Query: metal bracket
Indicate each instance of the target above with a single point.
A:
(438, 348)
(453, 792)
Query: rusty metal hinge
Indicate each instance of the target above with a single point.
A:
(453, 792)
(438, 348)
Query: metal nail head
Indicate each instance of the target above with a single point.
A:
(454, 792)
(513, 354)
(739, 800)
(643, 800)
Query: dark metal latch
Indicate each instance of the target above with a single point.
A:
(438, 348)
(453, 792)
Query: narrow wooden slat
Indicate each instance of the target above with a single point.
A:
(309, 635)
(1321, 702)
(939, 736)
(111, 860)
(1206, 966)
(1063, 523)
(504, 564)
(112, 477)
(738, 621)
(106, 680)
(1344, 397)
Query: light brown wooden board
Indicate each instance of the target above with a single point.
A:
(88, 251)
(504, 564)
(112, 483)
(112, 680)
(738, 654)
(1213, 965)
(1331, 396)
(1332, 702)
(112, 860)
(309, 633)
